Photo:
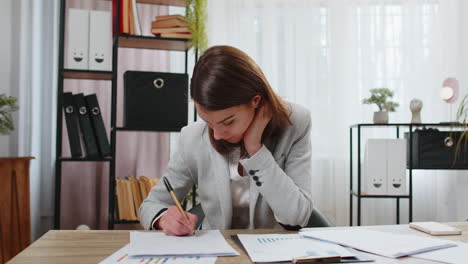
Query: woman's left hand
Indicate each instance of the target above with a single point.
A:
(253, 135)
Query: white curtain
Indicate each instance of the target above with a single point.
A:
(327, 54)
(33, 81)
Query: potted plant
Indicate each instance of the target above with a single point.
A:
(462, 123)
(195, 13)
(380, 97)
(7, 107)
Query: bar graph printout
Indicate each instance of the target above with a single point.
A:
(122, 257)
(285, 247)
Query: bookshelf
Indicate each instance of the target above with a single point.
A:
(356, 170)
(162, 2)
(119, 41)
(145, 42)
(86, 75)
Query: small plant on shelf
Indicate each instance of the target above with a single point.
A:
(195, 13)
(461, 123)
(7, 107)
(380, 97)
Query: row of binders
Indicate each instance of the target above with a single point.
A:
(83, 119)
(171, 26)
(130, 194)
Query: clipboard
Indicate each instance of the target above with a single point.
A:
(359, 258)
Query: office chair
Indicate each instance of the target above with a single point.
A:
(198, 211)
(317, 219)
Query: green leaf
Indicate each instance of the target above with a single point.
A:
(196, 14)
(380, 96)
(7, 106)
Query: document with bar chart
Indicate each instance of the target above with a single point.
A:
(285, 247)
(122, 256)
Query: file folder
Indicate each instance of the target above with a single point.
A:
(98, 125)
(77, 40)
(100, 41)
(71, 120)
(86, 127)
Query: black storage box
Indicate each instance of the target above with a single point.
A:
(155, 100)
(431, 151)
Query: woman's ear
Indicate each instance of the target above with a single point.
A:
(256, 101)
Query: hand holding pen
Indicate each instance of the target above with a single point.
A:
(175, 221)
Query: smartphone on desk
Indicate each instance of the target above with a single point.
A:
(435, 229)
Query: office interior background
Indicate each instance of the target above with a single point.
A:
(323, 54)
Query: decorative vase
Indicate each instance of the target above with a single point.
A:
(381, 117)
(415, 107)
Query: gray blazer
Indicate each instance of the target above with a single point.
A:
(283, 168)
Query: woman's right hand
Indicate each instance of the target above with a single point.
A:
(174, 223)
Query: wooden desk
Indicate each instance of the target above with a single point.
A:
(93, 246)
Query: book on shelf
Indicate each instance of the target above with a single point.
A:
(170, 30)
(136, 18)
(124, 17)
(128, 16)
(130, 194)
(171, 22)
(175, 35)
(171, 26)
(164, 17)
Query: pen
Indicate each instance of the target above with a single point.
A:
(174, 198)
(312, 259)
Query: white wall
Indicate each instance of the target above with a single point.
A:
(5, 66)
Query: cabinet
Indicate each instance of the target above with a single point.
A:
(355, 171)
(15, 220)
(119, 41)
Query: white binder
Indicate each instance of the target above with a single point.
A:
(375, 167)
(100, 41)
(396, 167)
(77, 41)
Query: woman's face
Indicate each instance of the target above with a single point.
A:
(231, 123)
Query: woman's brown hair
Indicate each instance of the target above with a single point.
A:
(225, 77)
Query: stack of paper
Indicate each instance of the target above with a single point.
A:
(285, 247)
(380, 243)
(203, 243)
(454, 255)
(122, 256)
(156, 247)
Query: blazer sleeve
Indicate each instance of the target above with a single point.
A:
(288, 191)
(181, 178)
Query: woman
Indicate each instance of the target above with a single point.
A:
(250, 156)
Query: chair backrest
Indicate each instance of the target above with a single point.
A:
(198, 211)
(317, 219)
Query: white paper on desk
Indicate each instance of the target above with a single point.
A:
(121, 256)
(380, 243)
(284, 247)
(454, 255)
(203, 243)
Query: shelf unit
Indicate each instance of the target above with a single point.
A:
(119, 41)
(358, 194)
